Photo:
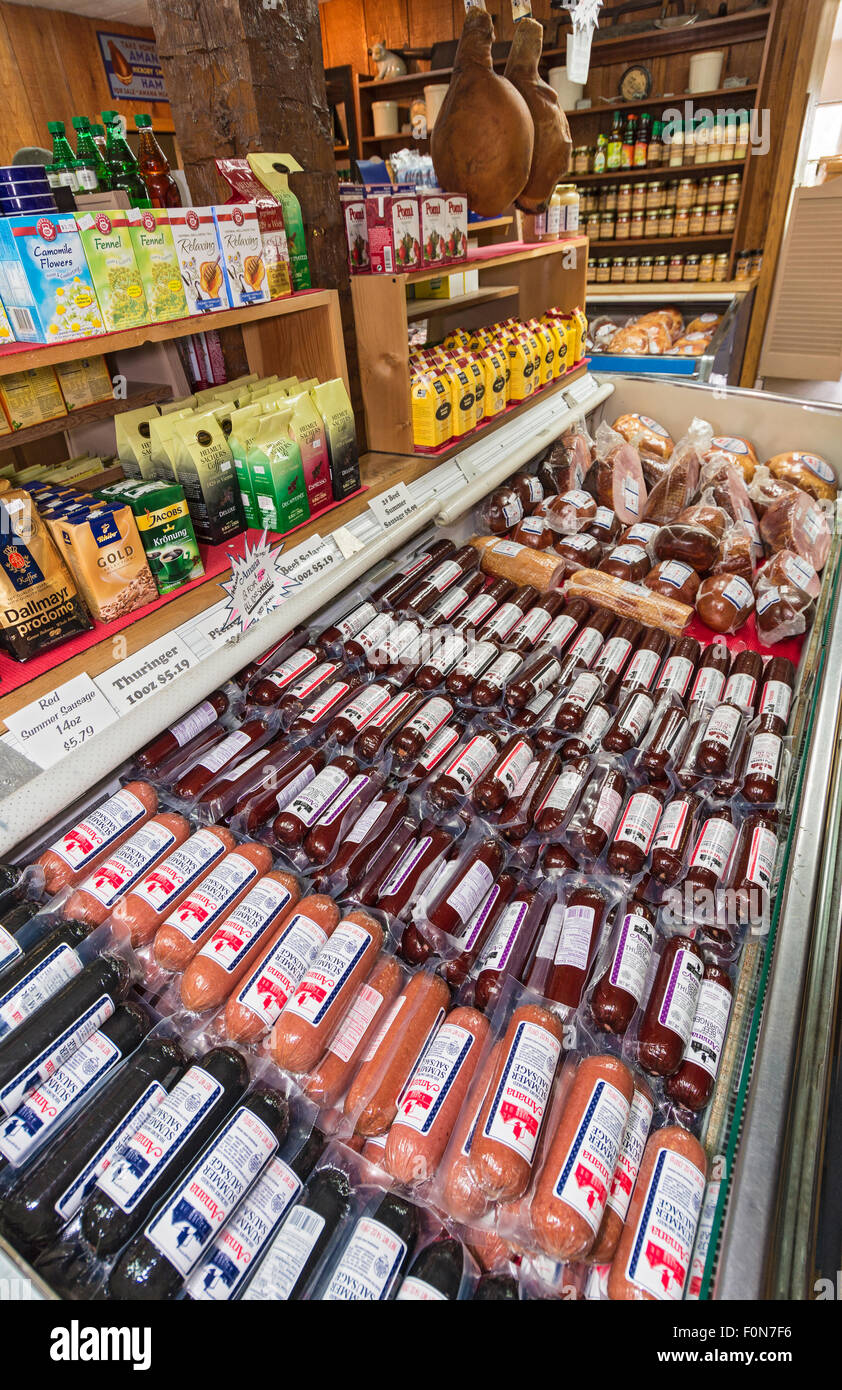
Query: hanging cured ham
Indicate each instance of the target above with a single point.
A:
(552, 146)
(483, 135)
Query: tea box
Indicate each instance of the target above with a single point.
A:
(242, 253)
(199, 259)
(45, 284)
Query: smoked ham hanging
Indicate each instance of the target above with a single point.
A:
(552, 144)
(483, 135)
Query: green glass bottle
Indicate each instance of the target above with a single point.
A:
(88, 159)
(122, 165)
(62, 171)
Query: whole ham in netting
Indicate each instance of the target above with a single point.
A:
(552, 145)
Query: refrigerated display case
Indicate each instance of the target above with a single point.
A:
(764, 1126)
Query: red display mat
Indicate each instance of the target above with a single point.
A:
(216, 560)
(746, 639)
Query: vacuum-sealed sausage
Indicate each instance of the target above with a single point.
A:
(776, 696)
(279, 968)
(654, 1251)
(299, 1246)
(626, 562)
(449, 648)
(711, 675)
(562, 628)
(368, 644)
(428, 719)
(380, 1084)
(143, 910)
(630, 723)
(761, 778)
(421, 597)
(692, 1084)
(670, 729)
(671, 1007)
(224, 792)
(581, 926)
(493, 683)
(721, 740)
(448, 604)
(435, 1274)
(333, 638)
(229, 952)
(478, 928)
(618, 992)
(98, 834)
(464, 890)
(535, 624)
(588, 736)
(309, 1019)
(326, 704)
(611, 661)
(506, 949)
(500, 779)
(466, 672)
(369, 832)
(232, 748)
(632, 840)
(643, 667)
(754, 865)
(187, 929)
(327, 1081)
(366, 703)
(712, 849)
(511, 1116)
(537, 673)
(277, 787)
(672, 837)
(272, 685)
(299, 815)
(380, 728)
(402, 883)
(202, 717)
(97, 895)
(442, 743)
(348, 807)
(743, 682)
(376, 1254)
(625, 1175)
(586, 689)
(463, 771)
(597, 813)
(509, 615)
(588, 644)
(393, 589)
(560, 798)
(298, 696)
(678, 668)
(572, 1190)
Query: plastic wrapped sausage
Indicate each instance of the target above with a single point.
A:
(692, 1085)
(230, 951)
(84, 845)
(190, 925)
(668, 1017)
(583, 921)
(98, 894)
(663, 1215)
(271, 976)
(183, 732)
(619, 990)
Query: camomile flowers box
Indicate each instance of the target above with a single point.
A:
(45, 283)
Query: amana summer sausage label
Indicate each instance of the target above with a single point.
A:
(232, 1256)
(109, 1151)
(369, 1265)
(268, 988)
(433, 1078)
(631, 1153)
(100, 828)
(286, 1257)
(243, 928)
(666, 1229)
(517, 1109)
(39, 1068)
(329, 972)
(584, 1177)
(49, 1104)
(43, 980)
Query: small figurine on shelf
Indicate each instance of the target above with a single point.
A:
(389, 64)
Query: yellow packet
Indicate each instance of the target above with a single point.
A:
(432, 410)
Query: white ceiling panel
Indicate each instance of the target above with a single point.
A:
(119, 11)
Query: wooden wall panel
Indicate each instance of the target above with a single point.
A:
(388, 20)
(430, 21)
(343, 24)
(51, 69)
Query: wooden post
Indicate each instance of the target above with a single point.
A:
(245, 76)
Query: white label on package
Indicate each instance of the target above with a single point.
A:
(520, 1100)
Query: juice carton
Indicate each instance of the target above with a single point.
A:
(154, 251)
(352, 199)
(274, 461)
(199, 259)
(238, 230)
(432, 409)
(432, 213)
(270, 217)
(394, 231)
(45, 283)
(456, 227)
(108, 248)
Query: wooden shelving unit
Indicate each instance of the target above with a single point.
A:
(666, 243)
(530, 277)
(660, 171)
(139, 394)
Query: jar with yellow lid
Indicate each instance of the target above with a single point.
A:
(666, 221)
(713, 221)
(716, 190)
(720, 268)
(592, 269)
(632, 270)
(624, 197)
(685, 194)
(618, 271)
(706, 268)
(606, 226)
(656, 196)
(756, 262)
(681, 225)
(660, 268)
(733, 185)
(691, 268)
(697, 221)
(593, 226)
(651, 223)
(743, 267)
(742, 137)
(603, 270)
(676, 269)
(647, 265)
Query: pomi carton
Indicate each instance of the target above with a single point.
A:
(432, 210)
(394, 231)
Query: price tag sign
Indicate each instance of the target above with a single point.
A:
(256, 587)
(392, 506)
(310, 560)
(145, 673)
(207, 632)
(48, 729)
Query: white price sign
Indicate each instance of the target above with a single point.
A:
(210, 630)
(392, 506)
(48, 729)
(310, 560)
(148, 671)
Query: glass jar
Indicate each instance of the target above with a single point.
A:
(624, 197)
(606, 227)
(720, 268)
(671, 193)
(608, 201)
(651, 223)
(647, 265)
(743, 267)
(639, 195)
(697, 221)
(728, 219)
(676, 269)
(703, 192)
(691, 268)
(756, 262)
(716, 138)
(632, 270)
(587, 202)
(660, 268)
(666, 221)
(568, 202)
(701, 140)
(681, 225)
(618, 271)
(592, 270)
(654, 195)
(622, 227)
(706, 268)
(713, 221)
(729, 140)
(593, 226)
(581, 160)
(716, 191)
(733, 185)
(637, 225)
(685, 194)
(603, 270)
(743, 131)
(676, 146)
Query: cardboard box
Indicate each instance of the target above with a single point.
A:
(45, 283)
(107, 242)
(270, 216)
(238, 229)
(84, 382)
(165, 529)
(199, 259)
(394, 231)
(154, 251)
(31, 397)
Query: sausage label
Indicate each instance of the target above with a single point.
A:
(504, 667)
(73, 1196)
(193, 723)
(548, 940)
(334, 965)
(410, 857)
(722, 726)
(499, 947)
(588, 645)
(291, 790)
(383, 1027)
(372, 635)
(308, 683)
(630, 1155)
(471, 763)
(356, 621)
(678, 1006)
(226, 1266)
(761, 857)
(417, 1291)
(504, 622)
(202, 1203)
(475, 924)
(613, 656)
(469, 892)
(632, 955)
(162, 1133)
(561, 793)
(356, 1023)
(666, 1229)
(212, 899)
(431, 717)
(279, 1271)
(477, 611)
(708, 685)
(365, 705)
(293, 666)
(180, 870)
(48, 1105)
(586, 1172)
(740, 690)
(637, 715)
(608, 804)
(223, 752)
(267, 990)
(369, 1265)
(324, 703)
(703, 1235)
(339, 804)
(9, 948)
(131, 862)
(560, 631)
(676, 675)
(714, 845)
(671, 825)
(583, 691)
(776, 699)
(764, 757)
(243, 928)
(709, 1027)
(446, 606)
(517, 1107)
(366, 822)
(642, 668)
(478, 657)
(574, 942)
(88, 839)
(595, 723)
(433, 1079)
(40, 1068)
(438, 746)
(532, 625)
(640, 821)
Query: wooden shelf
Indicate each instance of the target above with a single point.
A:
(652, 243)
(46, 355)
(709, 289)
(379, 472)
(653, 101)
(482, 260)
(488, 224)
(745, 27)
(659, 171)
(139, 394)
(425, 308)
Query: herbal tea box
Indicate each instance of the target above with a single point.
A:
(393, 230)
(45, 283)
(242, 253)
(270, 217)
(84, 382)
(199, 259)
(154, 251)
(432, 210)
(107, 243)
(30, 397)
